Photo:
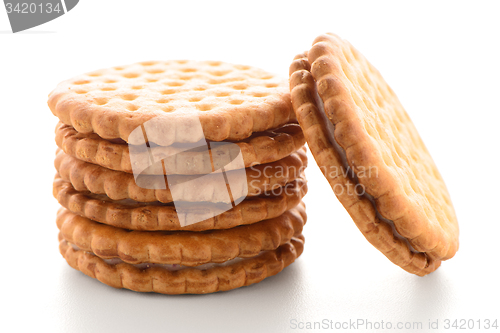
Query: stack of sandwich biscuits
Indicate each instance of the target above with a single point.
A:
(178, 176)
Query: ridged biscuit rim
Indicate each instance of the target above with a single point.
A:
(148, 216)
(362, 211)
(244, 273)
(118, 185)
(189, 248)
(258, 149)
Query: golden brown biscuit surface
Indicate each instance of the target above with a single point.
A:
(230, 101)
(134, 215)
(117, 185)
(341, 99)
(188, 280)
(263, 147)
(187, 248)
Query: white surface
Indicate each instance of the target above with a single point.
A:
(441, 58)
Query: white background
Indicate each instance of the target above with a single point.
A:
(441, 58)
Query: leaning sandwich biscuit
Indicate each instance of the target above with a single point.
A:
(372, 155)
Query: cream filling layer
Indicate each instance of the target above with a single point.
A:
(349, 172)
(169, 267)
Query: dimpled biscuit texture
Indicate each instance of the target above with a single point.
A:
(374, 130)
(231, 101)
(360, 208)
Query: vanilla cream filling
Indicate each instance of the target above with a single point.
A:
(170, 267)
(350, 172)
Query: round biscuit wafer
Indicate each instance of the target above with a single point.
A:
(262, 147)
(354, 124)
(230, 101)
(187, 248)
(187, 280)
(117, 185)
(134, 215)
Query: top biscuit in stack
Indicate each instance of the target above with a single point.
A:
(184, 114)
(231, 101)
